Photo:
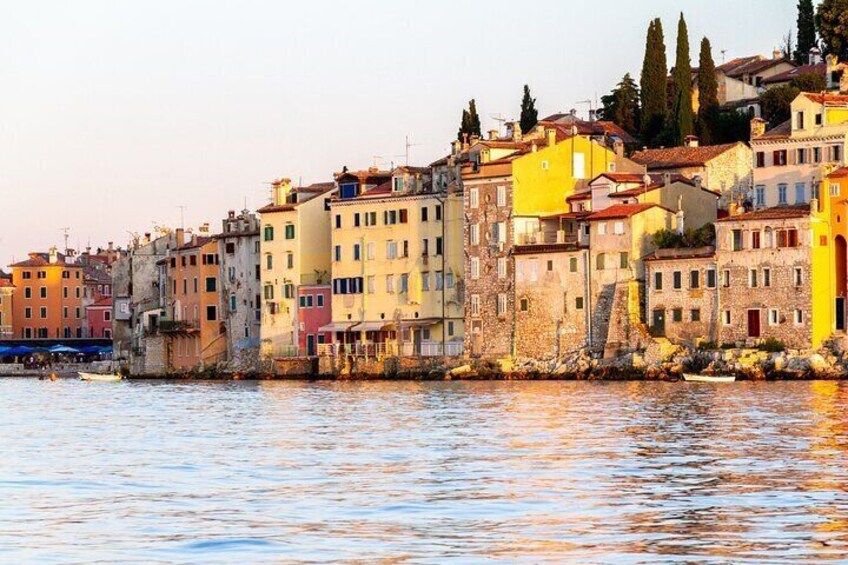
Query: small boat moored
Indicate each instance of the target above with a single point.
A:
(99, 377)
(691, 377)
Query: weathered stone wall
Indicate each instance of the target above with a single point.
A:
(731, 174)
(696, 306)
(488, 334)
(548, 321)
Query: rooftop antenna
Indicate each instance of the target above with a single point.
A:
(591, 108)
(500, 119)
(723, 53)
(182, 216)
(408, 145)
(377, 158)
(66, 232)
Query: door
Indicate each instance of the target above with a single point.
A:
(658, 322)
(753, 323)
(310, 345)
(840, 313)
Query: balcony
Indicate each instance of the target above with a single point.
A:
(391, 349)
(177, 326)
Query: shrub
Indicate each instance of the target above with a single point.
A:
(772, 345)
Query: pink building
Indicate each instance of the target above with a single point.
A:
(99, 318)
(314, 309)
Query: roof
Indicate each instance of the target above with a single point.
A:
(619, 211)
(674, 157)
(780, 131)
(737, 63)
(839, 173)
(586, 195)
(786, 76)
(4, 282)
(677, 253)
(826, 98)
(545, 248)
(776, 213)
(198, 242)
(623, 177)
(105, 302)
(43, 260)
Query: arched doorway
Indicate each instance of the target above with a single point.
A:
(840, 256)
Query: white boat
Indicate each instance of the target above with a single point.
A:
(100, 377)
(690, 377)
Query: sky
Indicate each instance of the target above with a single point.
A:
(115, 114)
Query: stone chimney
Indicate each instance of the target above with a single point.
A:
(691, 141)
(180, 234)
(53, 255)
(758, 127)
(493, 134)
(513, 130)
(618, 148)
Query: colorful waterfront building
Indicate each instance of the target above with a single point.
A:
(314, 312)
(294, 251)
(195, 334)
(47, 298)
(98, 318)
(835, 189)
(792, 159)
(397, 262)
(7, 291)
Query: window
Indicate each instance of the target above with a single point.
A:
(752, 278)
(370, 251)
(474, 198)
(337, 253)
(818, 120)
(440, 280)
(599, 262)
(475, 304)
(524, 304)
(766, 277)
(211, 313)
(391, 249)
(269, 261)
(578, 303)
(737, 240)
(550, 266)
(676, 280)
(787, 238)
(268, 292)
(232, 303)
(27, 292)
(390, 284)
(572, 264)
(438, 246)
(404, 216)
(338, 221)
(438, 212)
(501, 267)
(288, 290)
(799, 120)
(798, 276)
(677, 315)
(42, 312)
(760, 195)
(289, 231)
(779, 158)
(43, 275)
(501, 198)
(357, 252)
(290, 260)
(799, 317)
(695, 315)
(425, 247)
(835, 153)
(658, 280)
(623, 260)
(725, 278)
(42, 292)
(800, 192)
(449, 280)
(781, 193)
(835, 189)
(755, 240)
(800, 156)
(212, 284)
(618, 228)
(725, 317)
(28, 275)
(474, 234)
(602, 228)
(773, 317)
(450, 329)
(694, 279)
(425, 212)
(27, 312)
(501, 309)
(268, 233)
(499, 232)
(404, 250)
(425, 281)
(761, 159)
(356, 220)
(475, 268)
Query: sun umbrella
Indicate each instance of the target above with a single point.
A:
(20, 350)
(62, 348)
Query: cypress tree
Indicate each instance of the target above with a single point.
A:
(473, 118)
(681, 121)
(653, 83)
(626, 108)
(806, 31)
(529, 113)
(708, 108)
(463, 126)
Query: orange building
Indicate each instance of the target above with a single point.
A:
(836, 186)
(196, 334)
(47, 300)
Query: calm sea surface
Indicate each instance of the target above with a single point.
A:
(532, 472)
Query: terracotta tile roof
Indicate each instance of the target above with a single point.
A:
(577, 196)
(4, 282)
(839, 173)
(675, 157)
(568, 216)
(317, 187)
(545, 248)
(43, 260)
(737, 63)
(105, 302)
(780, 131)
(678, 253)
(786, 76)
(826, 98)
(269, 208)
(754, 67)
(199, 242)
(776, 213)
(618, 211)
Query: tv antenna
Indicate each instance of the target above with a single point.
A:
(591, 108)
(407, 144)
(723, 53)
(67, 233)
(498, 118)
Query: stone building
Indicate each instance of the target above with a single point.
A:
(239, 273)
(725, 169)
(551, 288)
(7, 290)
(775, 276)
(681, 294)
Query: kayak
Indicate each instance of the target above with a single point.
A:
(708, 378)
(98, 377)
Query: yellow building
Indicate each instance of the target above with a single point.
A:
(294, 251)
(6, 291)
(397, 259)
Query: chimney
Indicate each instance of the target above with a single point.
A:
(777, 54)
(815, 56)
(540, 130)
(698, 182)
(456, 146)
(666, 179)
(516, 131)
(551, 137)
(53, 256)
(282, 188)
(180, 237)
(758, 127)
(474, 139)
(110, 246)
(493, 134)
(691, 141)
(618, 147)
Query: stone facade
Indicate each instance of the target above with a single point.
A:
(682, 293)
(550, 289)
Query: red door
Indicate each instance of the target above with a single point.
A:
(753, 323)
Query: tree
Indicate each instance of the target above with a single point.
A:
(809, 82)
(529, 113)
(653, 83)
(470, 124)
(708, 107)
(681, 119)
(832, 23)
(806, 31)
(622, 105)
(786, 47)
(776, 103)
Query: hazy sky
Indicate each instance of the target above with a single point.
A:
(113, 114)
